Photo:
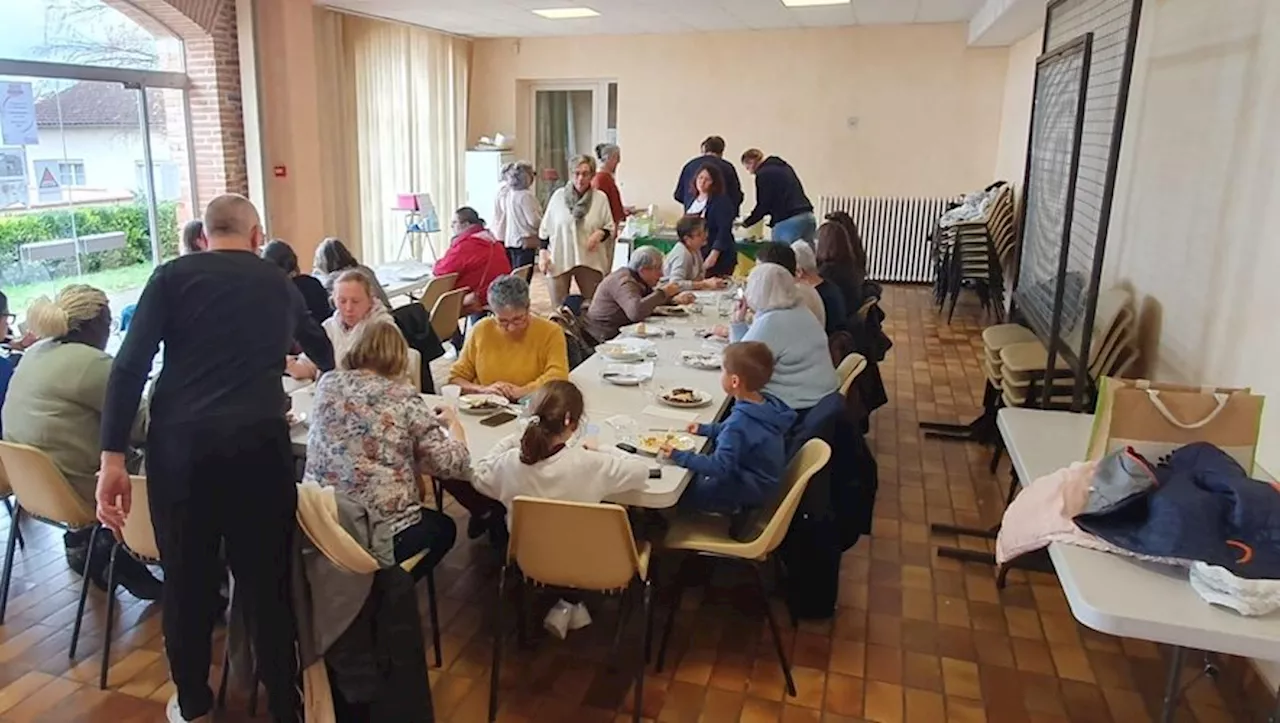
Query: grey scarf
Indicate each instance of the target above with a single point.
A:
(579, 203)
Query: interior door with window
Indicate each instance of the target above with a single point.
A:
(569, 119)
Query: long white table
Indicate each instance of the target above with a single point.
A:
(605, 401)
(402, 278)
(1120, 595)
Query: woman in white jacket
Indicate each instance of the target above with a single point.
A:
(540, 462)
(578, 225)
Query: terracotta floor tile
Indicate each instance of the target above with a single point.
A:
(953, 611)
(884, 664)
(925, 707)
(1033, 656)
(960, 679)
(960, 710)
(761, 711)
(922, 671)
(1072, 663)
(1023, 623)
(797, 714)
(993, 649)
(844, 694)
(811, 684)
(919, 636)
(883, 702)
(848, 657)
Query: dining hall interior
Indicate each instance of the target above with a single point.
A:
(643, 360)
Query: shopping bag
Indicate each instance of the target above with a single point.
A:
(1156, 418)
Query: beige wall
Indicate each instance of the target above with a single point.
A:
(928, 108)
(1197, 204)
(1015, 116)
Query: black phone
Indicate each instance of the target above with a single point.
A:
(629, 449)
(497, 420)
(655, 473)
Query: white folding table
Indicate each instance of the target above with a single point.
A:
(403, 278)
(1120, 595)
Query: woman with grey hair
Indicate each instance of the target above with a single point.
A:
(605, 181)
(802, 371)
(630, 295)
(517, 214)
(513, 352)
(578, 226)
(833, 304)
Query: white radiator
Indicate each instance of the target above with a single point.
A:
(895, 232)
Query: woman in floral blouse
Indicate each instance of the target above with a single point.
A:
(373, 437)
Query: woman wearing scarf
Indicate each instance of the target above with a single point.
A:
(578, 225)
(354, 305)
(517, 214)
(55, 404)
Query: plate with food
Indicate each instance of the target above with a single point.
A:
(645, 331)
(651, 442)
(684, 397)
(671, 310)
(700, 359)
(623, 378)
(621, 352)
(481, 403)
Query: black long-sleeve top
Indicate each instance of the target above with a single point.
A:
(685, 193)
(226, 319)
(779, 193)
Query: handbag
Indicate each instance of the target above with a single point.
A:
(1155, 418)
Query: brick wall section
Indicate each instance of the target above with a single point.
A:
(208, 31)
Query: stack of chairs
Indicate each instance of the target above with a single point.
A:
(977, 254)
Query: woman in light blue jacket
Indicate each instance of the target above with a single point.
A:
(802, 372)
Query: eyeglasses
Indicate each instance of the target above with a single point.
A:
(514, 322)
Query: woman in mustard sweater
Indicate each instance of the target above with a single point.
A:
(513, 352)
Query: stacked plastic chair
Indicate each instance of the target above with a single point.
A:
(976, 254)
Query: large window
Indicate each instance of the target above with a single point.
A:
(90, 98)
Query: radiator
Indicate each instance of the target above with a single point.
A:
(895, 232)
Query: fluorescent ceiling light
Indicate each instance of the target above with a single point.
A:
(811, 3)
(567, 13)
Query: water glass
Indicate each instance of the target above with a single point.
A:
(451, 393)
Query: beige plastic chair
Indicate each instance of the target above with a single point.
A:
(445, 313)
(576, 546)
(525, 272)
(6, 492)
(708, 536)
(139, 542)
(850, 367)
(43, 493)
(437, 287)
(414, 369)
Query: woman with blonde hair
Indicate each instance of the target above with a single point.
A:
(354, 304)
(373, 437)
(578, 225)
(55, 403)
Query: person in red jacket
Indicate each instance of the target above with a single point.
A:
(475, 256)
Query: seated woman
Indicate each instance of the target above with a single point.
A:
(477, 258)
(513, 352)
(55, 404)
(543, 462)
(683, 264)
(783, 255)
(836, 264)
(807, 274)
(353, 299)
(333, 258)
(281, 254)
(374, 437)
(631, 294)
(802, 371)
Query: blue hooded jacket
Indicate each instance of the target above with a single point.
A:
(749, 457)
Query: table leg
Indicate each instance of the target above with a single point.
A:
(1275, 714)
(1171, 692)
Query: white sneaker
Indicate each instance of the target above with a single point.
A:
(173, 713)
(579, 618)
(558, 619)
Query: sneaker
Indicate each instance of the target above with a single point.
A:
(173, 713)
(557, 620)
(579, 618)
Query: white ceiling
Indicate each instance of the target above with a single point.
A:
(513, 18)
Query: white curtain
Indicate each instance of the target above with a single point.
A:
(398, 126)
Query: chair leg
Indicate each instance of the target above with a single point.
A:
(497, 645)
(624, 610)
(522, 610)
(8, 565)
(1013, 488)
(84, 589)
(671, 616)
(8, 504)
(226, 674)
(439, 492)
(111, 606)
(773, 628)
(647, 609)
(433, 607)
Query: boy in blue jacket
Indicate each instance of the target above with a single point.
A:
(749, 457)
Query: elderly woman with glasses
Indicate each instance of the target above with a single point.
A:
(802, 371)
(513, 352)
(578, 226)
(631, 294)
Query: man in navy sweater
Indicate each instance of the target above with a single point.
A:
(712, 150)
(780, 196)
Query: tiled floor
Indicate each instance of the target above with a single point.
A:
(915, 639)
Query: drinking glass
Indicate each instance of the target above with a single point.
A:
(451, 393)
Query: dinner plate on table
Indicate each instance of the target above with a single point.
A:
(700, 359)
(671, 310)
(651, 442)
(623, 379)
(684, 397)
(644, 331)
(481, 403)
(626, 350)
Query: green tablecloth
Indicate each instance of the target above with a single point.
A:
(746, 250)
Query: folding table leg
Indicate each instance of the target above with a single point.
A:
(1171, 692)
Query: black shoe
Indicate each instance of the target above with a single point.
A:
(136, 578)
(477, 526)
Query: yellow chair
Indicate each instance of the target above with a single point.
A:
(525, 272)
(850, 367)
(437, 287)
(576, 546)
(43, 493)
(139, 542)
(707, 535)
(445, 313)
(6, 492)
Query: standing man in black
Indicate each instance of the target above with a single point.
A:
(712, 149)
(781, 197)
(218, 456)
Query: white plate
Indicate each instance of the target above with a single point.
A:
(700, 398)
(481, 403)
(671, 311)
(651, 442)
(644, 331)
(700, 360)
(622, 379)
(618, 353)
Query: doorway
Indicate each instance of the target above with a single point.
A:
(569, 119)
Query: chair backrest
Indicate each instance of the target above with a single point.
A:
(41, 489)
(525, 272)
(437, 287)
(414, 370)
(807, 462)
(5, 489)
(573, 544)
(445, 313)
(850, 367)
(138, 533)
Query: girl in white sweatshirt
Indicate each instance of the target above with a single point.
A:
(540, 462)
